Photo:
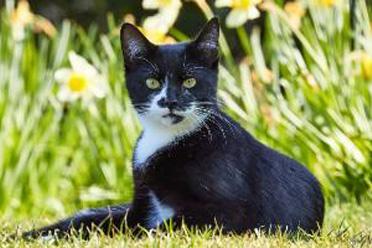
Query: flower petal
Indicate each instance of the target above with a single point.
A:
(236, 18)
(157, 23)
(150, 4)
(98, 90)
(253, 13)
(80, 64)
(23, 12)
(87, 99)
(62, 75)
(223, 3)
(163, 20)
(255, 2)
(65, 95)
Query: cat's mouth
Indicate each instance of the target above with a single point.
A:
(175, 118)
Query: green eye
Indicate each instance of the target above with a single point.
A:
(152, 83)
(189, 83)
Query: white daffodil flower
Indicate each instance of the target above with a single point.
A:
(81, 81)
(241, 11)
(295, 11)
(22, 17)
(156, 36)
(168, 11)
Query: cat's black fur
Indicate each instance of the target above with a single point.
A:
(217, 174)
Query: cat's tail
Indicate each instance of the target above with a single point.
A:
(107, 220)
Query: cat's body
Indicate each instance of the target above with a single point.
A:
(221, 174)
(192, 163)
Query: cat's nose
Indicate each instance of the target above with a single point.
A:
(168, 103)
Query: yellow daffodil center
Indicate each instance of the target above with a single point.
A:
(241, 4)
(327, 3)
(164, 3)
(367, 67)
(77, 82)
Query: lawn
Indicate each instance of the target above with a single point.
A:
(346, 225)
(303, 86)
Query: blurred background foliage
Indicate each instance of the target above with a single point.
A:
(88, 12)
(298, 77)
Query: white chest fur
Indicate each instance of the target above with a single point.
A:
(156, 136)
(151, 141)
(159, 212)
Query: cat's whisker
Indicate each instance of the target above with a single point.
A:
(228, 122)
(220, 127)
(216, 115)
(215, 122)
(203, 122)
(217, 102)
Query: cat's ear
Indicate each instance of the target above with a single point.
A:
(134, 45)
(205, 46)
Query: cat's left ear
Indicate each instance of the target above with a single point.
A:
(205, 46)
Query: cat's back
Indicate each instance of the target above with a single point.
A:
(285, 189)
(277, 188)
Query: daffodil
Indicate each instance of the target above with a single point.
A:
(326, 3)
(157, 36)
(45, 26)
(22, 17)
(241, 11)
(168, 11)
(366, 63)
(295, 11)
(81, 81)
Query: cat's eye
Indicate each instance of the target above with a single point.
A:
(189, 83)
(152, 83)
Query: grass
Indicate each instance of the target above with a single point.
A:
(346, 225)
(301, 90)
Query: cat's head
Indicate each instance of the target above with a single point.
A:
(171, 85)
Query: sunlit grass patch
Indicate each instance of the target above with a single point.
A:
(346, 225)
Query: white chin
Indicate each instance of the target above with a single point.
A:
(166, 121)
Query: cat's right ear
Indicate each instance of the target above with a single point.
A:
(205, 46)
(134, 45)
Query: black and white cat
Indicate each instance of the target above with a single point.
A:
(192, 163)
